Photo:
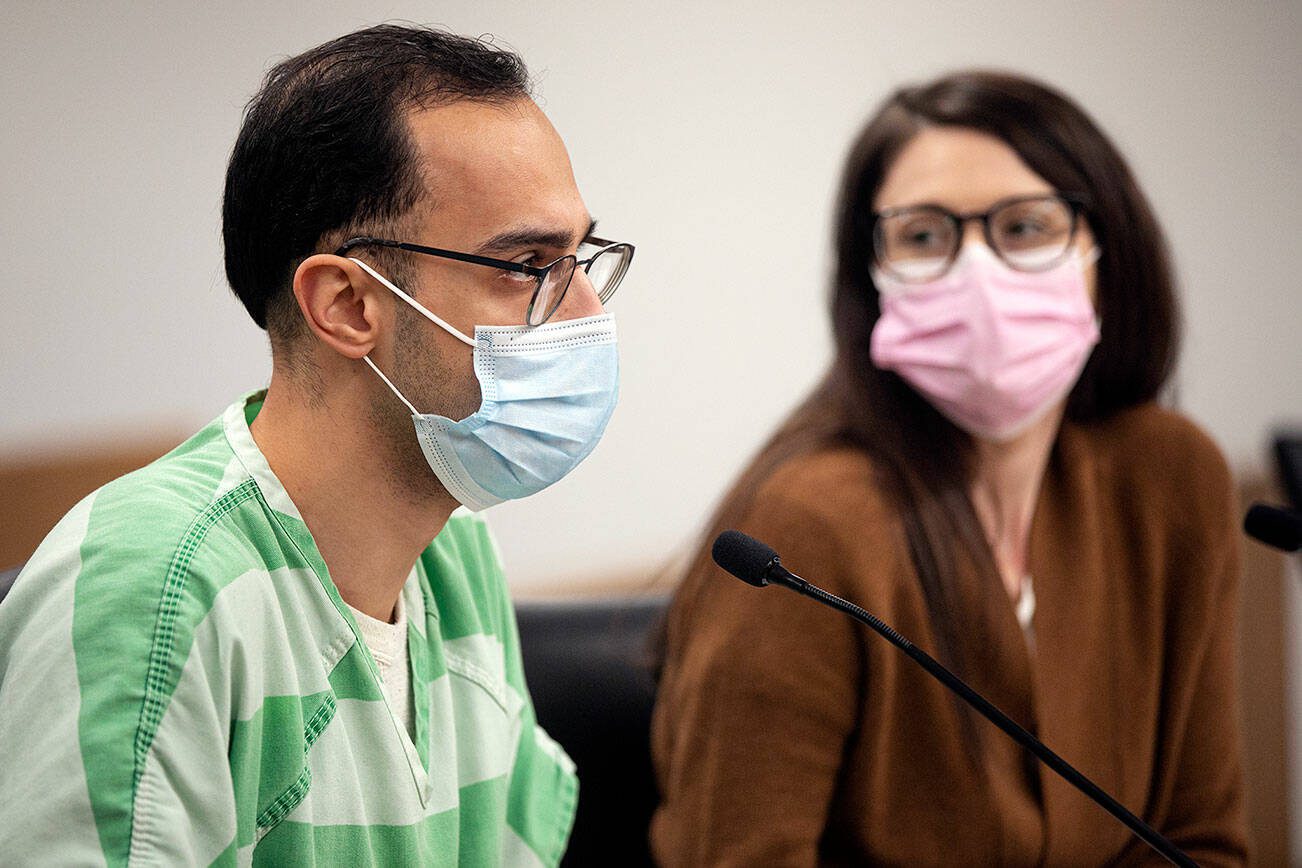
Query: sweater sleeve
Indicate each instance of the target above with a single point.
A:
(1199, 802)
(1207, 813)
(761, 691)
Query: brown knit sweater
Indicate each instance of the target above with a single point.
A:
(786, 734)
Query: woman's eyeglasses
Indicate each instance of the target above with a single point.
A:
(1030, 233)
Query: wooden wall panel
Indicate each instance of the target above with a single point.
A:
(35, 491)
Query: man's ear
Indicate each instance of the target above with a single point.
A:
(341, 303)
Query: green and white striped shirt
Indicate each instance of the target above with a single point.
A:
(180, 683)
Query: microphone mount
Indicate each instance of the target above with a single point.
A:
(1275, 526)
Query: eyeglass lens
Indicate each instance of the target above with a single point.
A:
(607, 269)
(604, 270)
(921, 243)
(551, 291)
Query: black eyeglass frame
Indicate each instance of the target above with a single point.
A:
(1075, 202)
(539, 273)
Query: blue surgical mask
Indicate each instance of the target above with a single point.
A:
(547, 393)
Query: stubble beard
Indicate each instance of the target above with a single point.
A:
(423, 372)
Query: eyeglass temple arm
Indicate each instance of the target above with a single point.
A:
(438, 251)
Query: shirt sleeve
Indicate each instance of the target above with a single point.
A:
(114, 738)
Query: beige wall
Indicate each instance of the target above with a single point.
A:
(709, 134)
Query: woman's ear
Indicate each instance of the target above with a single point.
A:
(341, 303)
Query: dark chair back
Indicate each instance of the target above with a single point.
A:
(589, 668)
(1288, 458)
(7, 580)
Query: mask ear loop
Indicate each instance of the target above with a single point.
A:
(419, 307)
(392, 387)
(432, 317)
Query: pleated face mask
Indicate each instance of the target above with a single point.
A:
(991, 348)
(547, 393)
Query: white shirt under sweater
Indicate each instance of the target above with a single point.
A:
(388, 645)
(1025, 609)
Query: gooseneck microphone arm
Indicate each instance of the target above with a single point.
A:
(756, 564)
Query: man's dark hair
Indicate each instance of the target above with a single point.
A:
(325, 152)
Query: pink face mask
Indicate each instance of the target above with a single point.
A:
(991, 348)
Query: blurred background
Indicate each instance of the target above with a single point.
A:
(710, 135)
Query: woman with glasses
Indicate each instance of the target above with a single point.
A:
(984, 467)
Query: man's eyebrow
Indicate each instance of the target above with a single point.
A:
(531, 236)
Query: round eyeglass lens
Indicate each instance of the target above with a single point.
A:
(916, 244)
(551, 291)
(607, 269)
(1033, 234)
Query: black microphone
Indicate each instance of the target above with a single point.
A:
(1275, 526)
(756, 564)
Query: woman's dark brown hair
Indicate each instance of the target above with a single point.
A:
(924, 462)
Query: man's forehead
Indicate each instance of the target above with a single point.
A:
(496, 164)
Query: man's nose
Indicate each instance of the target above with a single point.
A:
(580, 299)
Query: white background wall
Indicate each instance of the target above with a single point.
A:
(711, 135)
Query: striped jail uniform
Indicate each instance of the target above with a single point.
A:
(181, 683)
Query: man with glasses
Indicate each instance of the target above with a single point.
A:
(287, 641)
